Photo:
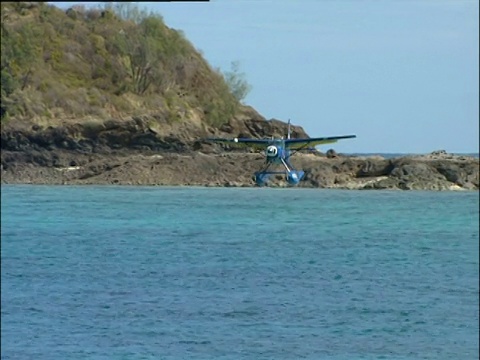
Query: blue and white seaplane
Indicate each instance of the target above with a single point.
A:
(278, 152)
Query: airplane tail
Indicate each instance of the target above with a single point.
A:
(288, 134)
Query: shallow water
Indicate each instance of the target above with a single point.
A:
(238, 273)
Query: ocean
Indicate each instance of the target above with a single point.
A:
(105, 272)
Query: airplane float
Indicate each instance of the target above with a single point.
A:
(279, 151)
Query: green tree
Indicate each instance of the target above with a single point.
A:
(142, 45)
(236, 81)
(18, 57)
(129, 11)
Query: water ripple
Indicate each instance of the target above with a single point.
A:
(124, 273)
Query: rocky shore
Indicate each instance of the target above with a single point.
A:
(135, 153)
(427, 172)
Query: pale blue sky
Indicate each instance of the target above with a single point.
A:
(401, 75)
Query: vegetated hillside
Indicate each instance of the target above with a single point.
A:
(60, 67)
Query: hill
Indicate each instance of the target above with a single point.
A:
(58, 66)
(84, 67)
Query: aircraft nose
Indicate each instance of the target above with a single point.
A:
(271, 151)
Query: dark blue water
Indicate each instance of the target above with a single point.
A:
(205, 273)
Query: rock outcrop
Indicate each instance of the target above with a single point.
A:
(141, 152)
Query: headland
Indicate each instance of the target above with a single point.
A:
(112, 95)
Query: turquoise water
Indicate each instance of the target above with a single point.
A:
(238, 273)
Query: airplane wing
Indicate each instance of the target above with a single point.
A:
(297, 144)
(242, 142)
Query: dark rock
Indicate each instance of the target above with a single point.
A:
(452, 173)
(438, 152)
(375, 168)
(331, 154)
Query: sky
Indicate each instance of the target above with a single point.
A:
(401, 75)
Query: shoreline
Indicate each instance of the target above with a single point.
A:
(193, 186)
(437, 171)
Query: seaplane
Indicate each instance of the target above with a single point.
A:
(278, 152)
